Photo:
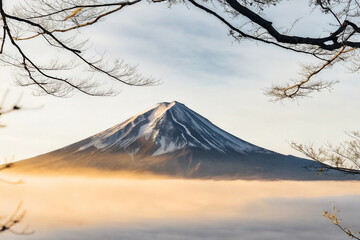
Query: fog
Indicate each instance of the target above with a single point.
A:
(114, 208)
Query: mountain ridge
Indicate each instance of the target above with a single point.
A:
(170, 139)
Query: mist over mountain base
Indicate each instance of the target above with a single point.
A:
(110, 208)
(193, 164)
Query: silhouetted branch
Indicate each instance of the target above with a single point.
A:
(14, 220)
(305, 87)
(51, 20)
(18, 214)
(328, 50)
(344, 158)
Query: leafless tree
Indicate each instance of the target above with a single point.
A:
(56, 23)
(339, 45)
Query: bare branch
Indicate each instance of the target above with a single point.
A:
(345, 157)
(303, 88)
(51, 19)
(49, 26)
(17, 216)
(334, 219)
(329, 49)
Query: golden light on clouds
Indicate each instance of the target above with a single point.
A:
(79, 201)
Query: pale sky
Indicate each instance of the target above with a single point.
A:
(199, 65)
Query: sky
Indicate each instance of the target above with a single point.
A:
(200, 66)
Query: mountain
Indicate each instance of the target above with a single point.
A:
(172, 140)
(165, 128)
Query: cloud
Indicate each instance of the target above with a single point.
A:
(230, 230)
(77, 208)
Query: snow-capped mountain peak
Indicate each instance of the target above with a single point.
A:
(167, 127)
(172, 140)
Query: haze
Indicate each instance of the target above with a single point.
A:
(113, 208)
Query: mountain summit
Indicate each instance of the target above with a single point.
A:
(165, 128)
(172, 140)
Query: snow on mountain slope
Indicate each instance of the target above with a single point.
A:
(169, 127)
(172, 140)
